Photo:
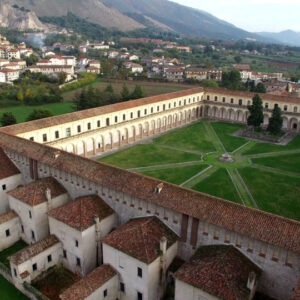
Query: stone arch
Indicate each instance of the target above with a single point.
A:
(159, 124)
(140, 130)
(146, 128)
(119, 140)
(80, 146)
(285, 122)
(71, 148)
(99, 143)
(207, 111)
(133, 130)
(266, 120)
(152, 124)
(231, 115)
(126, 139)
(89, 145)
(169, 121)
(180, 117)
(294, 126)
(194, 113)
(189, 115)
(201, 111)
(240, 116)
(215, 112)
(175, 120)
(223, 113)
(164, 123)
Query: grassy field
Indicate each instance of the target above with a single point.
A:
(273, 192)
(148, 155)
(176, 175)
(22, 112)
(193, 137)
(266, 147)
(9, 292)
(218, 184)
(10, 251)
(225, 131)
(290, 162)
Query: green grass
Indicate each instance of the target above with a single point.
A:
(290, 162)
(21, 112)
(193, 137)
(148, 155)
(275, 193)
(175, 175)
(266, 147)
(9, 292)
(218, 184)
(10, 251)
(225, 131)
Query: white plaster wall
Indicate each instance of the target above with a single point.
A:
(14, 227)
(111, 286)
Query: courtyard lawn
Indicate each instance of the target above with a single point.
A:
(275, 193)
(176, 175)
(10, 251)
(225, 131)
(266, 147)
(193, 137)
(22, 112)
(9, 292)
(148, 155)
(290, 162)
(218, 184)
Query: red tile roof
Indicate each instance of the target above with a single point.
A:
(89, 284)
(254, 223)
(34, 193)
(140, 238)
(7, 168)
(8, 216)
(221, 271)
(296, 293)
(33, 250)
(80, 214)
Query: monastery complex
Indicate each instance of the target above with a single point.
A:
(123, 232)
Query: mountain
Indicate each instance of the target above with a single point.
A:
(179, 18)
(92, 10)
(288, 37)
(17, 18)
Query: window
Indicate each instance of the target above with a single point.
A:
(164, 107)
(174, 104)
(89, 126)
(105, 293)
(285, 108)
(34, 267)
(139, 114)
(139, 296)
(32, 235)
(107, 122)
(295, 109)
(157, 108)
(179, 103)
(68, 132)
(22, 228)
(216, 98)
(78, 263)
(30, 215)
(65, 253)
(57, 134)
(76, 243)
(145, 112)
(78, 128)
(169, 105)
(189, 100)
(267, 105)
(124, 117)
(231, 100)
(15, 272)
(3, 187)
(116, 119)
(139, 272)
(32, 138)
(240, 102)
(7, 232)
(98, 123)
(194, 99)
(122, 287)
(275, 105)
(249, 102)
(49, 258)
(131, 115)
(184, 102)
(44, 137)
(208, 97)
(224, 100)
(151, 110)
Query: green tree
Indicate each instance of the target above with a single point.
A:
(8, 119)
(125, 93)
(137, 92)
(256, 117)
(260, 88)
(39, 114)
(231, 80)
(80, 100)
(276, 121)
(110, 94)
(209, 83)
(238, 59)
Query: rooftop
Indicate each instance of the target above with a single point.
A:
(7, 169)
(89, 284)
(221, 271)
(8, 216)
(80, 214)
(34, 193)
(33, 250)
(296, 293)
(140, 238)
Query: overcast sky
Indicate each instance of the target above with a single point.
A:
(253, 15)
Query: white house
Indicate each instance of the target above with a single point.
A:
(217, 272)
(35, 259)
(10, 178)
(141, 251)
(9, 229)
(9, 75)
(101, 284)
(95, 64)
(69, 60)
(133, 57)
(32, 202)
(133, 67)
(79, 225)
(13, 54)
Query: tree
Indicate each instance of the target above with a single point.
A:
(260, 88)
(39, 114)
(256, 117)
(275, 123)
(125, 93)
(209, 83)
(8, 119)
(238, 59)
(232, 80)
(137, 92)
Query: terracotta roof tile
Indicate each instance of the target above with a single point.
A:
(140, 238)
(34, 193)
(296, 293)
(221, 271)
(254, 223)
(80, 214)
(8, 216)
(89, 284)
(33, 250)
(7, 168)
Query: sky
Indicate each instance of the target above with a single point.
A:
(253, 15)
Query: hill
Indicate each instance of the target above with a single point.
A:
(288, 37)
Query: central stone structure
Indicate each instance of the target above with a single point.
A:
(226, 157)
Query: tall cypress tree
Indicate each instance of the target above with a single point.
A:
(276, 121)
(256, 117)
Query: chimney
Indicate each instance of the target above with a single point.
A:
(163, 264)
(56, 154)
(49, 198)
(158, 188)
